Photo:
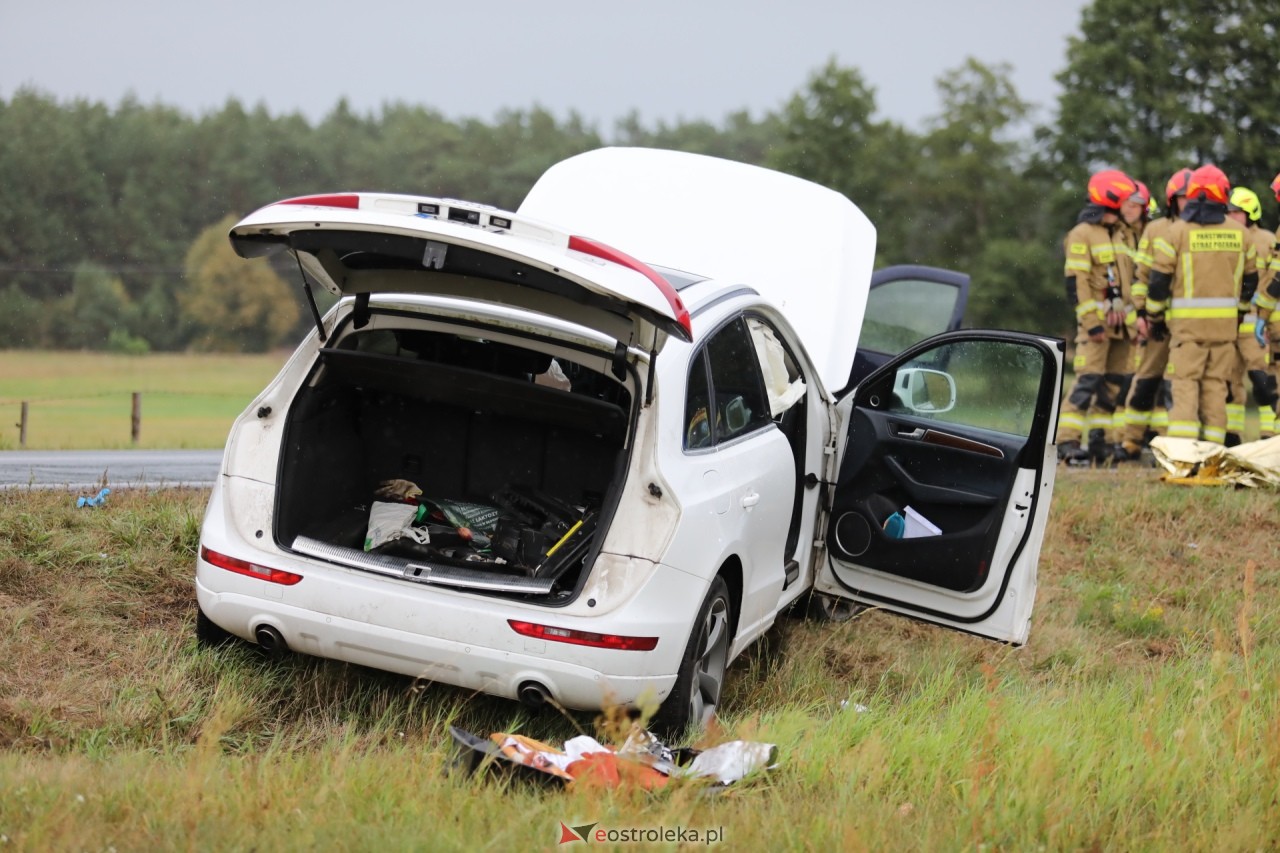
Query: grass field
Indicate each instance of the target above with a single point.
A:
(83, 400)
(1143, 715)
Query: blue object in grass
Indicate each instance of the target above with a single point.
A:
(895, 525)
(99, 500)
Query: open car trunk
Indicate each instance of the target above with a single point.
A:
(518, 477)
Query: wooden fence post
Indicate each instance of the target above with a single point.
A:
(22, 427)
(136, 427)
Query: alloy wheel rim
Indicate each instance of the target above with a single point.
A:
(708, 671)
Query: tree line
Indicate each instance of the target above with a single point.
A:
(113, 219)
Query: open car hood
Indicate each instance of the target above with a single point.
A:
(805, 248)
(365, 243)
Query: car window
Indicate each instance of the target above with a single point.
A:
(737, 389)
(904, 312)
(996, 385)
(697, 421)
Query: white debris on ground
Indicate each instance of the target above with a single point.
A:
(1203, 463)
(642, 761)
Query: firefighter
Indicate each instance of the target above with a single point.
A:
(1268, 317)
(1251, 355)
(1134, 216)
(1145, 406)
(1200, 287)
(1094, 289)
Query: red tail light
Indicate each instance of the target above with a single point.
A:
(244, 567)
(347, 200)
(608, 253)
(583, 638)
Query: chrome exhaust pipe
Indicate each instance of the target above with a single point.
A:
(533, 695)
(271, 641)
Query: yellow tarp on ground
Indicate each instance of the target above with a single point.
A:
(1203, 463)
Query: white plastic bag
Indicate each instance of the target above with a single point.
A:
(730, 761)
(388, 521)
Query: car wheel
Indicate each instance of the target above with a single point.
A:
(208, 633)
(696, 694)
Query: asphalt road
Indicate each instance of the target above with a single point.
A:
(81, 469)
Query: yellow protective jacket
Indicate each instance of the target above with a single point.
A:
(1207, 264)
(1156, 232)
(1268, 277)
(1090, 271)
(1125, 238)
(1264, 243)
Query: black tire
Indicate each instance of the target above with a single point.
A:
(696, 695)
(209, 634)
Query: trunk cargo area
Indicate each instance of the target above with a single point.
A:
(465, 421)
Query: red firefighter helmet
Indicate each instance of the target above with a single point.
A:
(1275, 187)
(1177, 185)
(1141, 195)
(1209, 182)
(1111, 187)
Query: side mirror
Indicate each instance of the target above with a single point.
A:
(925, 391)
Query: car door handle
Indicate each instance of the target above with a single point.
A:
(750, 499)
(916, 433)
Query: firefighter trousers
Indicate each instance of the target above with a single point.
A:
(1270, 424)
(1250, 373)
(1199, 373)
(1101, 369)
(1146, 392)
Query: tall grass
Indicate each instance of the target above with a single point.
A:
(1143, 715)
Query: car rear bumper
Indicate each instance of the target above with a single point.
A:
(460, 639)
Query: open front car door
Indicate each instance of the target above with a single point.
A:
(942, 496)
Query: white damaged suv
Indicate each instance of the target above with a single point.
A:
(619, 431)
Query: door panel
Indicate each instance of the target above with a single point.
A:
(975, 463)
(957, 488)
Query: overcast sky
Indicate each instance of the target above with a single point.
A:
(667, 59)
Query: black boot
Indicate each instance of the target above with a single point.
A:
(1264, 387)
(1232, 439)
(1072, 453)
(1099, 450)
(1127, 451)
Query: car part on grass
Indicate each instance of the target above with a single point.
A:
(643, 761)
